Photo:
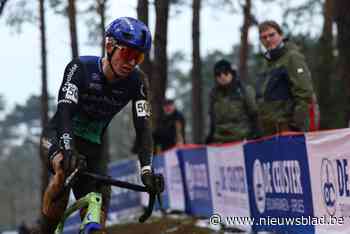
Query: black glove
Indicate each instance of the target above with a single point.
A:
(73, 160)
(153, 182)
(147, 180)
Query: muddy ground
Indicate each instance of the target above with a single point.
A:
(166, 225)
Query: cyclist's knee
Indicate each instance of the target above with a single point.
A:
(54, 208)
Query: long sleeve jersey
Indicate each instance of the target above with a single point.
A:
(87, 102)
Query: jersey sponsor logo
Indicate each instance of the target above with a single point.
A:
(65, 101)
(142, 108)
(71, 72)
(69, 88)
(300, 70)
(66, 140)
(71, 92)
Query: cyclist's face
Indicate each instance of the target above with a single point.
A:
(270, 38)
(125, 59)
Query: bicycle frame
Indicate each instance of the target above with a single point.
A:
(93, 200)
(91, 221)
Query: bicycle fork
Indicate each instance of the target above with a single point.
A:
(92, 219)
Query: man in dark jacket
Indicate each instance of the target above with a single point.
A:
(285, 97)
(232, 109)
(171, 129)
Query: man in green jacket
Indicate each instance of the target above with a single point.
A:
(232, 108)
(284, 91)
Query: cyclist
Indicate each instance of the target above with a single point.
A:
(94, 89)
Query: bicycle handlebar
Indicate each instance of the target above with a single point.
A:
(108, 180)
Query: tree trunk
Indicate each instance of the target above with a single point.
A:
(197, 106)
(101, 11)
(2, 5)
(44, 95)
(160, 66)
(73, 28)
(243, 53)
(325, 67)
(342, 18)
(142, 14)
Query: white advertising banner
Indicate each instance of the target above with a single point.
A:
(228, 181)
(329, 163)
(174, 182)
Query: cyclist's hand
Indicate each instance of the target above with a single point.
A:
(147, 179)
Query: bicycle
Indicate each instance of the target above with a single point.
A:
(93, 200)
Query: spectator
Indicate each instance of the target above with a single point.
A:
(232, 109)
(171, 129)
(284, 91)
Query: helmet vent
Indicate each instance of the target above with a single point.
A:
(128, 36)
(143, 36)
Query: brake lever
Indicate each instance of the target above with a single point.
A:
(69, 181)
(159, 182)
(149, 209)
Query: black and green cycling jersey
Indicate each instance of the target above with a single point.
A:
(87, 102)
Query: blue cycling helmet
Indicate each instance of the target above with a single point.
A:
(130, 32)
